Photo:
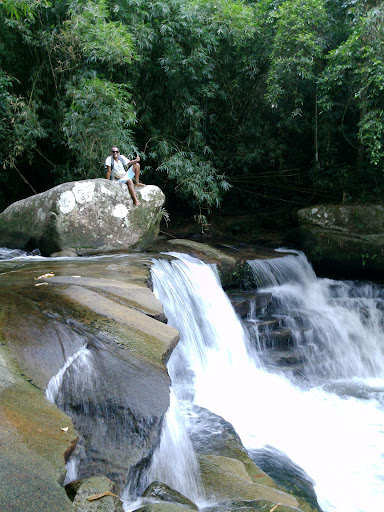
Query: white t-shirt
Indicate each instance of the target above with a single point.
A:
(118, 170)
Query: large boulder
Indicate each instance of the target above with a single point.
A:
(91, 216)
(347, 239)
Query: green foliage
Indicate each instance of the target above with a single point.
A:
(26, 8)
(353, 85)
(20, 128)
(297, 49)
(100, 114)
(368, 258)
(371, 134)
(270, 100)
(93, 39)
(196, 179)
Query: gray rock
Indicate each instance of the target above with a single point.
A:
(347, 238)
(89, 217)
(84, 494)
(163, 507)
(67, 253)
(161, 491)
(242, 303)
(34, 447)
(227, 479)
(213, 435)
(118, 400)
(250, 506)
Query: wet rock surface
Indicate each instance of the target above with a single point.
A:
(213, 435)
(34, 446)
(164, 507)
(96, 494)
(227, 479)
(160, 491)
(106, 305)
(118, 409)
(259, 505)
(288, 475)
(271, 336)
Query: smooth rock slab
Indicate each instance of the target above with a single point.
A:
(227, 479)
(250, 506)
(33, 446)
(90, 217)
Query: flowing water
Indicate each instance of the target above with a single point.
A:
(327, 416)
(330, 419)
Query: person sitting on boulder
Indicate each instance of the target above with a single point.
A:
(115, 165)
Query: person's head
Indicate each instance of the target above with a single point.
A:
(115, 151)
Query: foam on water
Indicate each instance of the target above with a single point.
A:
(175, 463)
(337, 440)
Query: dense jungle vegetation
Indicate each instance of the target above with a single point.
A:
(234, 104)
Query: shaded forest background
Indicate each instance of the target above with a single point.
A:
(234, 106)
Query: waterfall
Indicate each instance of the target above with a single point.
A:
(337, 327)
(332, 423)
(175, 463)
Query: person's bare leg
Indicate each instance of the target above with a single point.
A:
(136, 170)
(131, 189)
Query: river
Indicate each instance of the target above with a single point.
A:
(328, 419)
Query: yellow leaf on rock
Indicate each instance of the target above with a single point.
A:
(48, 274)
(101, 495)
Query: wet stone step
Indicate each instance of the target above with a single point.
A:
(268, 326)
(281, 338)
(246, 302)
(282, 358)
(286, 361)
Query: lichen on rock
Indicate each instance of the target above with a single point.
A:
(90, 217)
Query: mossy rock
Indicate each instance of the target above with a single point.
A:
(227, 479)
(250, 506)
(164, 507)
(161, 491)
(95, 494)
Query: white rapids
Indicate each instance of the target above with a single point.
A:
(336, 437)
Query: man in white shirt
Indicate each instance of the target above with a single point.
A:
(116, 166)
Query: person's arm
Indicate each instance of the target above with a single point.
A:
(108, 166)
(136, 160)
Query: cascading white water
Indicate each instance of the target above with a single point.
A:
(205, 334)
(338, 326)
(337, 440)
(175, 463)
(81, 360)
(55, 382)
